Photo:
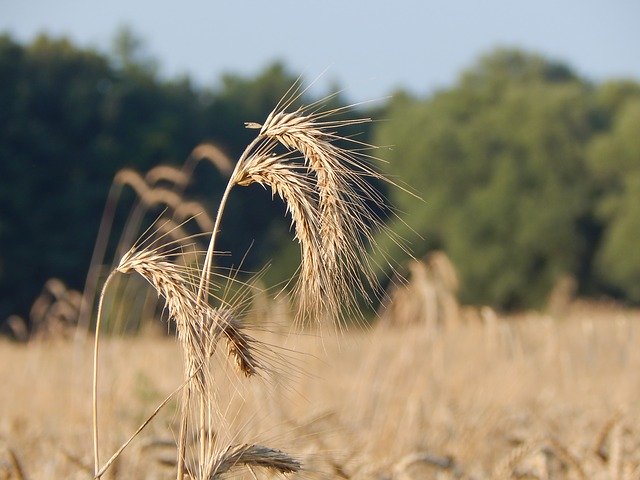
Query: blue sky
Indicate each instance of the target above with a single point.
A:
(368, 47)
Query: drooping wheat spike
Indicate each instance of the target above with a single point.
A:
(296, 189)
(344, 216)
(239, 343)
(167, 173)
(172, 283)
(212, 153)
(175, 284)
(328, 195)
(199, 328)
(236, 456)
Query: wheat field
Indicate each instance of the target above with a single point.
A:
(517, 397)
(225, 380)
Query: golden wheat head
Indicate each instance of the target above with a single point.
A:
(326, 188)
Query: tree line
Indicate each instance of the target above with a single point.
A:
(527, 171)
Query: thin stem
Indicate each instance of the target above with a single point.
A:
(202, 432)
(203, 288)
(182, 439)
(97, 257)
(145, 423)
(95, 375)
(137, 432)
(201, 299)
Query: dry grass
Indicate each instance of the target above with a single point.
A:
(528, 396)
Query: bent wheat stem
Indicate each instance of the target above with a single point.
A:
(96, 455)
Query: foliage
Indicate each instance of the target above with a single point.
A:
(70, 118)
(499, 160)
(614, 157)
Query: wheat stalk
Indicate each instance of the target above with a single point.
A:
(199, 330)
(326, 190)
(326, 194)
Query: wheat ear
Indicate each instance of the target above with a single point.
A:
(328, 195)
(253, 456)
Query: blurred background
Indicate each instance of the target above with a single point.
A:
(517, 124)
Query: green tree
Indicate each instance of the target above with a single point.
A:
(48, 96)
(70, 118)
(68, 121)
(499, 162)
(614, 157)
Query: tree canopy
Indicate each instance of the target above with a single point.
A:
(614, 159)
(501, 161)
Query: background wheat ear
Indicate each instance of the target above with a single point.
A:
(237, 456)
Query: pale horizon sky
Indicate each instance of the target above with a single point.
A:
(368, 47)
